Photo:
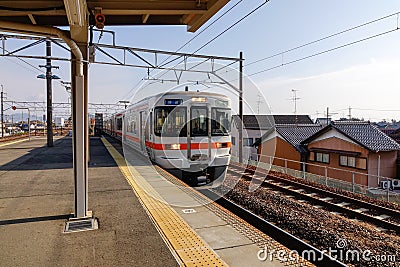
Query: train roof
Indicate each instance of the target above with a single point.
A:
(180, 93)
(190, 93)
(195, 93)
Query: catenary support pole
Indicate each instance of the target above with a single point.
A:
(2, 112)
(49, 95)
(240, 143)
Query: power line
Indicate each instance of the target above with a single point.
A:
(322, 52)
(316, 41)
(383, 110)
(323, 38)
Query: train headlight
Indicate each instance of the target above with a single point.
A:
(173, 146)
(222, 145)
(199, 99)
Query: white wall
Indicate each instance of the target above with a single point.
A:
(248, 152)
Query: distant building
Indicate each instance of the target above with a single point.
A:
(323, 121)
(59, 122)
(355, 146)
(255, 126)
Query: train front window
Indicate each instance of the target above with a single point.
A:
(199, 122)
(221, 121)
(170, 121)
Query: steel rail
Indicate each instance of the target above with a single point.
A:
(278, 234)
(351, 213)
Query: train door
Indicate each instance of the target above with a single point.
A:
(142, 125)
(124, 128)
(149, 135)
(199, 135)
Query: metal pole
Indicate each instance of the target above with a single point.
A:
(286, 170)
(326, 176)
(49, 96)
(379, 168)
(240, 143)
(2, 113)
(327, 116)
(387, 189)
(352, 182)
(29, 124)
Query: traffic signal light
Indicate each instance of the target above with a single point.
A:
(100, 20)
(14, 107)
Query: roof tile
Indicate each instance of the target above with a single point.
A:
(367, 135)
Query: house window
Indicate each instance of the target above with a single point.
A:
(322, 157)
(233, 140)
(347, 161)
(248, 141)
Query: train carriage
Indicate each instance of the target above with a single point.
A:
(187, 133)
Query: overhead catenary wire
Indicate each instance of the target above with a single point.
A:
(185, 44)
(233, 25)
(24, 61)
(226, 30)
(211, 40)
(203, 30)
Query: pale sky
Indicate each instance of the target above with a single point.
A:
(364, 76)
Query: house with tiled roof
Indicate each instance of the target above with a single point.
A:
(355, 146)
(284, 142)
(255, 126)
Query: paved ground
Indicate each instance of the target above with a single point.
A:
(36, 198)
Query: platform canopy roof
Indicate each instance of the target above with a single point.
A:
(193, 13)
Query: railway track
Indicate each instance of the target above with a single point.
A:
(382, 217)
(278, 234)
(273, 231)
(307, 233)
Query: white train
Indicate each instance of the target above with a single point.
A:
(187, 133)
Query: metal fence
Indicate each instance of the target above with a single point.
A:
(353, 181)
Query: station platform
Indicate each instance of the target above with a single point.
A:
(146, 218)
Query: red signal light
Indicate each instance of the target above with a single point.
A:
(100, 20)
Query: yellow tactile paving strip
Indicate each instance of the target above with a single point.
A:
(189, 248)
(262, 240)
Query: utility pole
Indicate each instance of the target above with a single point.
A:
(2, 112)
(294, 99)
(49, 78)
(327, 115)
(349, 113)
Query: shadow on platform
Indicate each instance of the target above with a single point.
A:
(36, 219)
(46, 158)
